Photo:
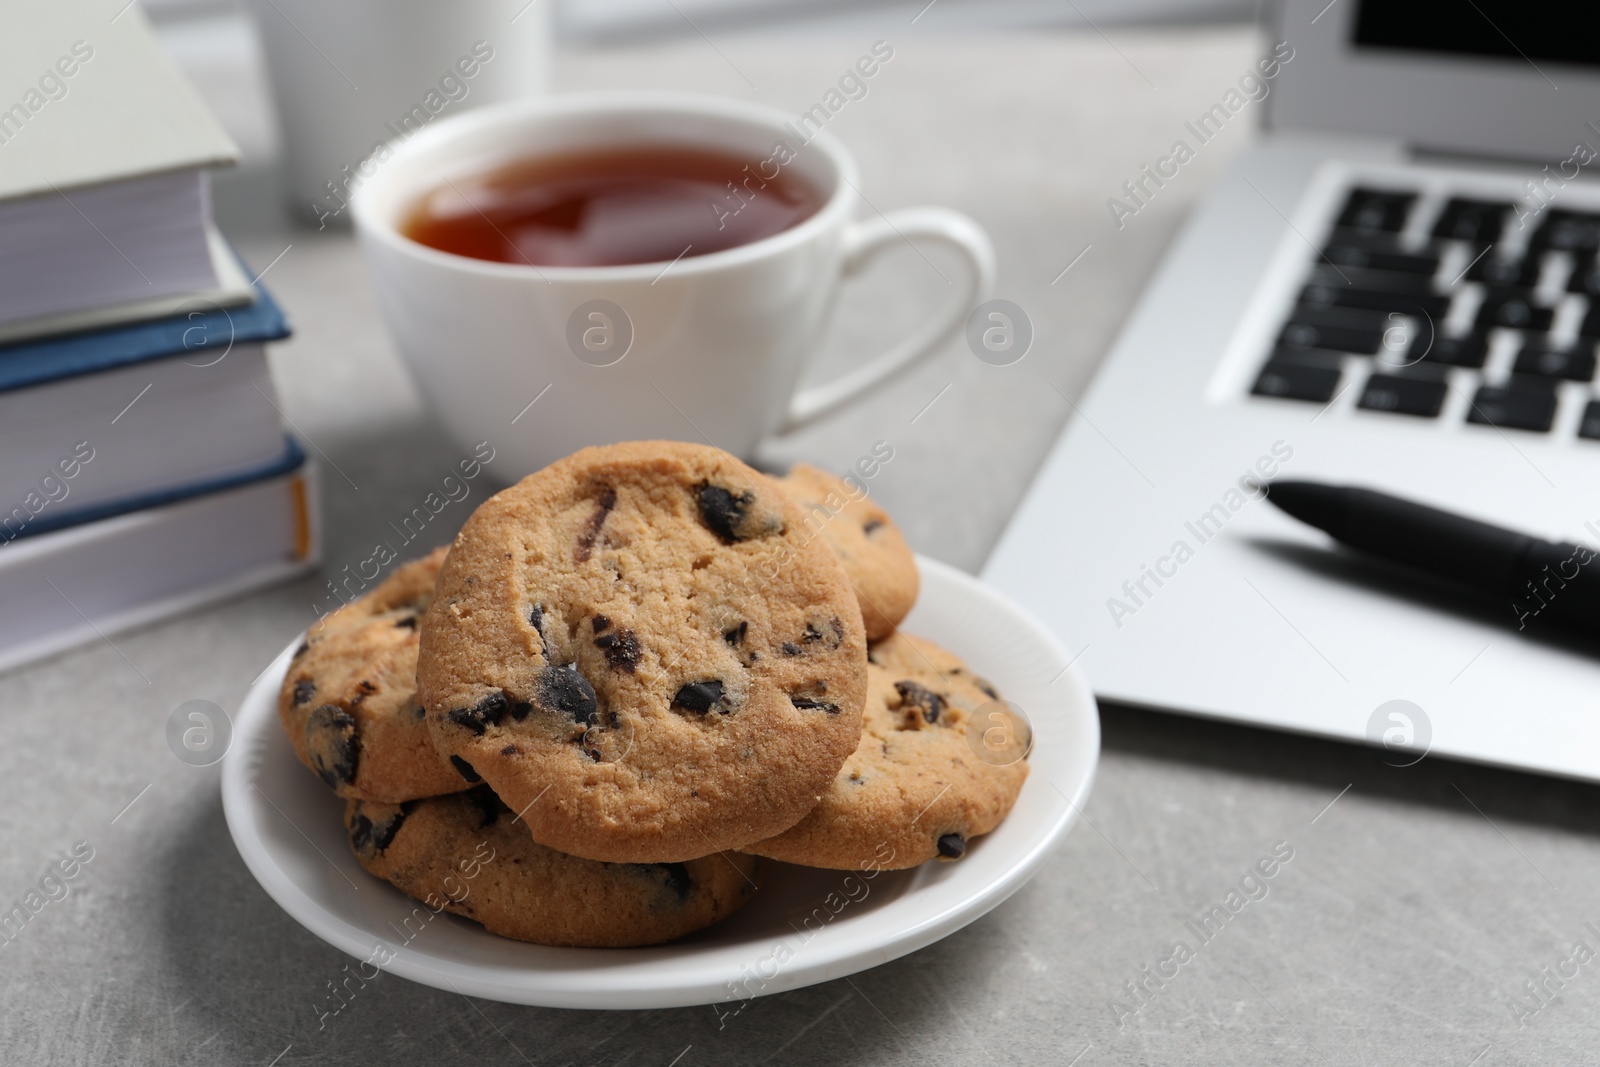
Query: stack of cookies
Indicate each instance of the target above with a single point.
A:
(634, 675)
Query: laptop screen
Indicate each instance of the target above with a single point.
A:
(1509, 79)
(1562, 31)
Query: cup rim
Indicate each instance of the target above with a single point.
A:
(369, 223)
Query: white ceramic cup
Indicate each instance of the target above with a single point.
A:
(542, 361)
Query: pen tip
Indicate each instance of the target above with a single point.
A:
(1311, 502)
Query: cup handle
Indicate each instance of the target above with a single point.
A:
(863, 241)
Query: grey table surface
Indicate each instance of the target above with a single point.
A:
(1410, 925)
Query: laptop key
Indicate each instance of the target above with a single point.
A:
(1590, 426)
(1350, 296)
(1585, 278)
(1543, 360)
(1514, 407)
(1292, 376)
(1506, 273)
(1469, 350)
(1376, 210)
(1373, 256)
(1335, 329)
(1512, 309)
(1478, 221)
(1403, 395)
(1378, 281)
(1568, 231)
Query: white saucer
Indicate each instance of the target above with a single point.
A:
(289, 830)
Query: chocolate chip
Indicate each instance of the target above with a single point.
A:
(918, 698)
(536, 620)
(490, 711)
(564, 690)
(735, 636)
(331, 744)
(305, 646)
(952, 846)
(988, 689)
(366, 689)
(621, 648)
(376, 834)
(304, 690)
(808, 704)
(407, 623)
(371, 835)
(361, 834)
(509, 750)
(465, 770)
(699, 697)
(600, 622)
(672, 877)
(490, 807)
(602, 508)
(722, 512)
(870, 525)
(678, 879)
(829, 634)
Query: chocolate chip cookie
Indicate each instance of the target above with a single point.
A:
(643, 653)
(880, 565)
(466, 854)
(348, 701)
(916, 787)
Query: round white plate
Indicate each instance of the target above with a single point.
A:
(804, 926)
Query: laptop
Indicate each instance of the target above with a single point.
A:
(1396, 287)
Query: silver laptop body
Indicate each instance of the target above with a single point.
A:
(1396, 287)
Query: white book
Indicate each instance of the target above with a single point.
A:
(104, 198)
(91, 581)
(42, 311)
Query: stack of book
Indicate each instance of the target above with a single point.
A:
(143, 465)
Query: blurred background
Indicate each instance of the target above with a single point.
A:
(217, 44)
(1024, 114)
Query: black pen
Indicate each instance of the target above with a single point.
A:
(1538, 580)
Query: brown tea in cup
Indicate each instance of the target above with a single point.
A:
(613, 206)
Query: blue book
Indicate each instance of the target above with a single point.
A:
(96, 578)
(48, 520)
(199, 334)
(107, 421)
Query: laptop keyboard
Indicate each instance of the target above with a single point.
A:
(1409, 309)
